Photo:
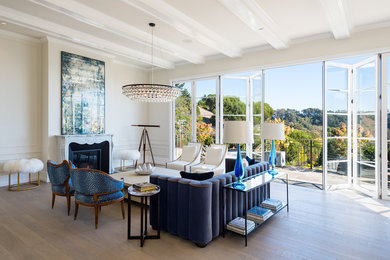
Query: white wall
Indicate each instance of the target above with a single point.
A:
(367, 42)
(20, 99)
(30, 98)
(120, 111)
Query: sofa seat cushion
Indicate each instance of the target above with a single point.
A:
(177, 165)
(197, 176)
(88, 199)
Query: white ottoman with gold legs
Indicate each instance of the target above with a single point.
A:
(127, 155)
(29, 166)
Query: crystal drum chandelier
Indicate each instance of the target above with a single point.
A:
(143, 92)
(150, 92)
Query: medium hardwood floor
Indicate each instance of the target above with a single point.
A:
(320, 225)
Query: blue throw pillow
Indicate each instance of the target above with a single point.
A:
(250, 161)
(198, 176)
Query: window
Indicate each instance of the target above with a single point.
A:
(206, 109)
(241, 99)
(205, 103)
(183, 117)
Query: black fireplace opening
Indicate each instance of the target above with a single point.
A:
(90, 156)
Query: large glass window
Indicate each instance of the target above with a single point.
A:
(183, 117)
(205, 103)
(206, 109)
(241, 98)
(296, 96)
(293, 95)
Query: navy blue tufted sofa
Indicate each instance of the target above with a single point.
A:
(193, 209)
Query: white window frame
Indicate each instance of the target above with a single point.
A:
(385, 192)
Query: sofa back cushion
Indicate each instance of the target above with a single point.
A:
(213, 156)
(197, 176)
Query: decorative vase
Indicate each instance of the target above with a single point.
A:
(272, 159)
(238, 168)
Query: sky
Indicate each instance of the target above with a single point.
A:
(295, 87)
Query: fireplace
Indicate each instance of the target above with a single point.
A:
(87, 151)
(91, 156)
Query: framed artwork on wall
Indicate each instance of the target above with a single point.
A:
(82, 95)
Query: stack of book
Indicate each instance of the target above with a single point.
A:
(145, 187)
(272, 204)
(259, 214)
(238, 225)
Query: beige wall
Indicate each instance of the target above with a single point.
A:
(368, 42)
(20, 99)
(30, 94)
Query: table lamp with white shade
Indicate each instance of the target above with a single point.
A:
(272, 131)
(238, 132)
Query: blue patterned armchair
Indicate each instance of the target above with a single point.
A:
(60, 181)
(95, 188)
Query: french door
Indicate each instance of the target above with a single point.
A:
(385, 126)
(366, 127)
(351, 121)
(337, 126)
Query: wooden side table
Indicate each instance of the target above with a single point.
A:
(144, 214)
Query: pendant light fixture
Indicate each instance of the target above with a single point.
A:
(151, 92)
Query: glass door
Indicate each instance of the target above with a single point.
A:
(385, 126)
(366, 127)
(182, 108)
(206, 115)
(337, 123)
(234, 105)
(255, 100)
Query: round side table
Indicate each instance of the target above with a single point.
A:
(144, 214)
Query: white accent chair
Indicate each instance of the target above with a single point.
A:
(214, 160)
(190, 156)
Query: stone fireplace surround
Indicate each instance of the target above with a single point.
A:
(63, 142)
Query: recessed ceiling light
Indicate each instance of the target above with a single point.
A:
(187, 40)
(3, 23)
(261, 28)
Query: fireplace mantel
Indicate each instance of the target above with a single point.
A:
(63, 142)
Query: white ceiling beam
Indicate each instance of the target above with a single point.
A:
(69, 34)
(337, 13)
(186, 25)
(110, 24)
(254, 16)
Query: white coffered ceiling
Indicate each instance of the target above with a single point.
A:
(189, 30)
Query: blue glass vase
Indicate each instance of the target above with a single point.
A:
(238, 168)
(272, 159)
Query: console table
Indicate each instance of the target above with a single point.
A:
(248, 184)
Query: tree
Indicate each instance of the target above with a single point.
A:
(268, 111)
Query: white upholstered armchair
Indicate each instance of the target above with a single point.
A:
(190, 156)
(214, 160)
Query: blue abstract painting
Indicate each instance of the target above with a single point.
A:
(83, 95)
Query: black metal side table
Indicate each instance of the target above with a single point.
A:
(144, 214)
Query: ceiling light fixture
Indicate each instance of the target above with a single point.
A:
(3, 23)
(146, 92)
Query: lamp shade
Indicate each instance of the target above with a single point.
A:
(272, 131)
(237, 132)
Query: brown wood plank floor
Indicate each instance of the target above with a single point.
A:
(320, 225)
